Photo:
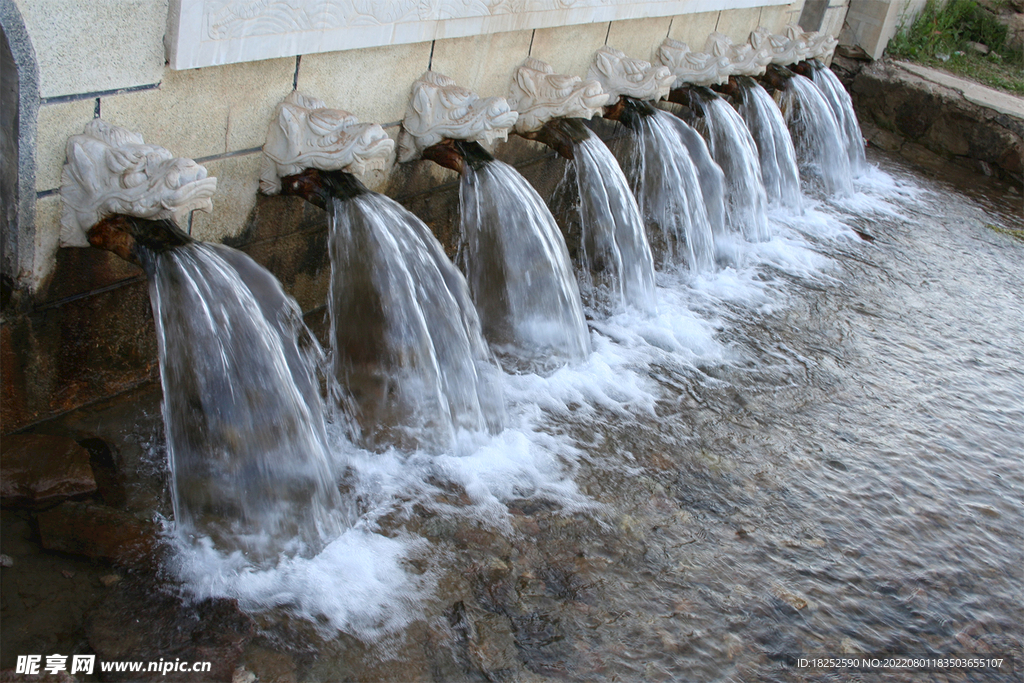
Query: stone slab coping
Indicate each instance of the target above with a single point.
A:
(982, 95)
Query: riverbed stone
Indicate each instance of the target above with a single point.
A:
(494, 647)
(139, 622)
(98, 532)
(39, 470)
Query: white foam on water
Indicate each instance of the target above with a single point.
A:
(358, 584)
(363, 584)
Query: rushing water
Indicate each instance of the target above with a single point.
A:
(246, 434)
(518, 267)
(405, 335)
(816, 450)
(615, 259)
(734, 150)
(779, 170)
(820, 142)
(668, 190)
(842, 106)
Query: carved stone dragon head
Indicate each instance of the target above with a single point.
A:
(695, 68)
(744, 59)
(440, 109)
(110, 170)
(621, 75)
(306, 134)
(817, 44)
(539, 95)
(785, 49)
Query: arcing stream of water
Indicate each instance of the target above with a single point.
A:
(605, 227)
(821, 144)
(734, 150)
(245, 424)
(666, 183)
(774, 145)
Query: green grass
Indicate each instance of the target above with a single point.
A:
(939, 37)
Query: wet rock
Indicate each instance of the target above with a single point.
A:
(104, 468)
(268, 666)
(139, 622)
(243, 675)
(98, 532)
(109, 579)
(9, 676)
(494, 647)
(38, 471)
(792, 599)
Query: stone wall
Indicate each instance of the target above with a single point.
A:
(932, 118)
(80, 327)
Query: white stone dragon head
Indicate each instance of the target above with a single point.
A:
(539, 95)
(744, 59)
(817, 44)
(110, 170)
(307, 134)
(695, 68)
(785, 49)
(440, 109)
(621, 75)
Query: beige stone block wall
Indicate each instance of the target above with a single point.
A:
(693, 29)
(47, 236)
(206, 112)
(58, 122)
(94, 46)
(775, 18)
(238, 180)
(484, 64)
(219, 115)
(569, 49)
(835, 17)
(373, 84)
(639, 37)
(738, 23)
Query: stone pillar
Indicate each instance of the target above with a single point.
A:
(871, 24)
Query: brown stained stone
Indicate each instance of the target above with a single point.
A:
(38, 471)
(494, 647)
(64, 356)
(98, 532)
(142, 623)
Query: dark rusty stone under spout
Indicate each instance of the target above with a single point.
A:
(776, 78)
(729, 89)
(319, 187)
(128, 236)
(455, 154)
(628, 111)
(561, 135)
